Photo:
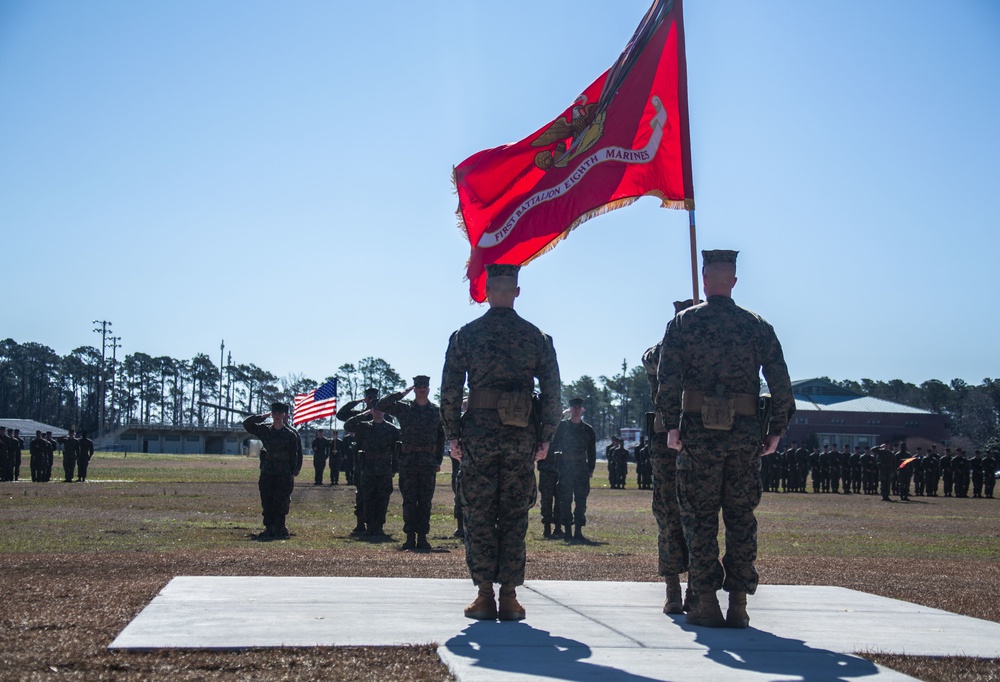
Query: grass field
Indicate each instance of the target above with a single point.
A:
(79, 561)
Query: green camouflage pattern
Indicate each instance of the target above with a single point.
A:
(577, 448)
(496, 484)
(719, 348)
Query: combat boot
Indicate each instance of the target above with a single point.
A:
(673, 604)
(267, 534)
(688, 598)
(282, 533)
(485, 606)
(460, 530)
(422, 541)
(547, 533)
(510, 608)
(706, 611)
(736, 616)
(411, 541)
(578, 534)
(359, 529)
(558, 532)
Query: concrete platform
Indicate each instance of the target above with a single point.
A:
(574, 630)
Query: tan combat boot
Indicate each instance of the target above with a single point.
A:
(673, 603)
(706, 611)
(485, 606)
(510, 608)
(736, 616)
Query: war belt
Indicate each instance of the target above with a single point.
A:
(744, 403)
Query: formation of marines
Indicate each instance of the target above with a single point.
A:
(888, 469)
(77, 452)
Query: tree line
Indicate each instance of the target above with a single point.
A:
(37, 383)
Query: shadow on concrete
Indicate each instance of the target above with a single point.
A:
(782, 657)
(537, 653)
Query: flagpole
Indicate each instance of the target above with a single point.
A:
(694, 258)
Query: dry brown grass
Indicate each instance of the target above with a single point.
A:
(78, 562)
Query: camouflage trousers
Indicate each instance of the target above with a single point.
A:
(375, 492)
(456, 467)
(275, 497)
(719, 470)
(69, 466)
(416, 485)
(573, 487)
(548, 494)
(670, 540)
(497, 488)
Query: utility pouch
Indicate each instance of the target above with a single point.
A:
(514, 408)
(718, 412)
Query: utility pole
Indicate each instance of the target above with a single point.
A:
(229, 384)
(222, 350)
(114, 363)
(103, 329)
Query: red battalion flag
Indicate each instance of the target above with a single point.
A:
(625, 136)
(316, 404)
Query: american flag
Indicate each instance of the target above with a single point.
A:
(316, 404)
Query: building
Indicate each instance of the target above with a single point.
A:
(837, 416)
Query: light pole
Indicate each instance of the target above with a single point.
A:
(222, 351)
(114, 365)
(103, 329)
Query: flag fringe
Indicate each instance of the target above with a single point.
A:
(607, 208)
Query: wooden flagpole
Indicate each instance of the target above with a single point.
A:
(694, 258)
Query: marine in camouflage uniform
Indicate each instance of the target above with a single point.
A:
(989, 472)
(86, 454)
(349, 410)
(548, 494)
(321, 452)
(709, 380)
(932, 472)
(960, 472)
(377, 441)
(18, 444)
(50, 455)
(885, 459)
(670, 542)
(6, 463)
(420, 458)
(36, 457)
(71, 451)
(576, 443)
(280, 463)
(501, 355)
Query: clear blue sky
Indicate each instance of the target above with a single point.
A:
(278, 175)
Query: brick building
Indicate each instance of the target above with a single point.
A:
(837, 416)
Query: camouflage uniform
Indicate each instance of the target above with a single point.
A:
(989, 472)
(577, 448)
(36, 458)
(886, 460)
(83, 460)
(377, 452)
(673, 551)
(6, 462)
(422, 452)
(548, 488)
(280, 463)
(499, 351)
(71, 450)
(719, 348)
(50, 455)
(321, 451)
